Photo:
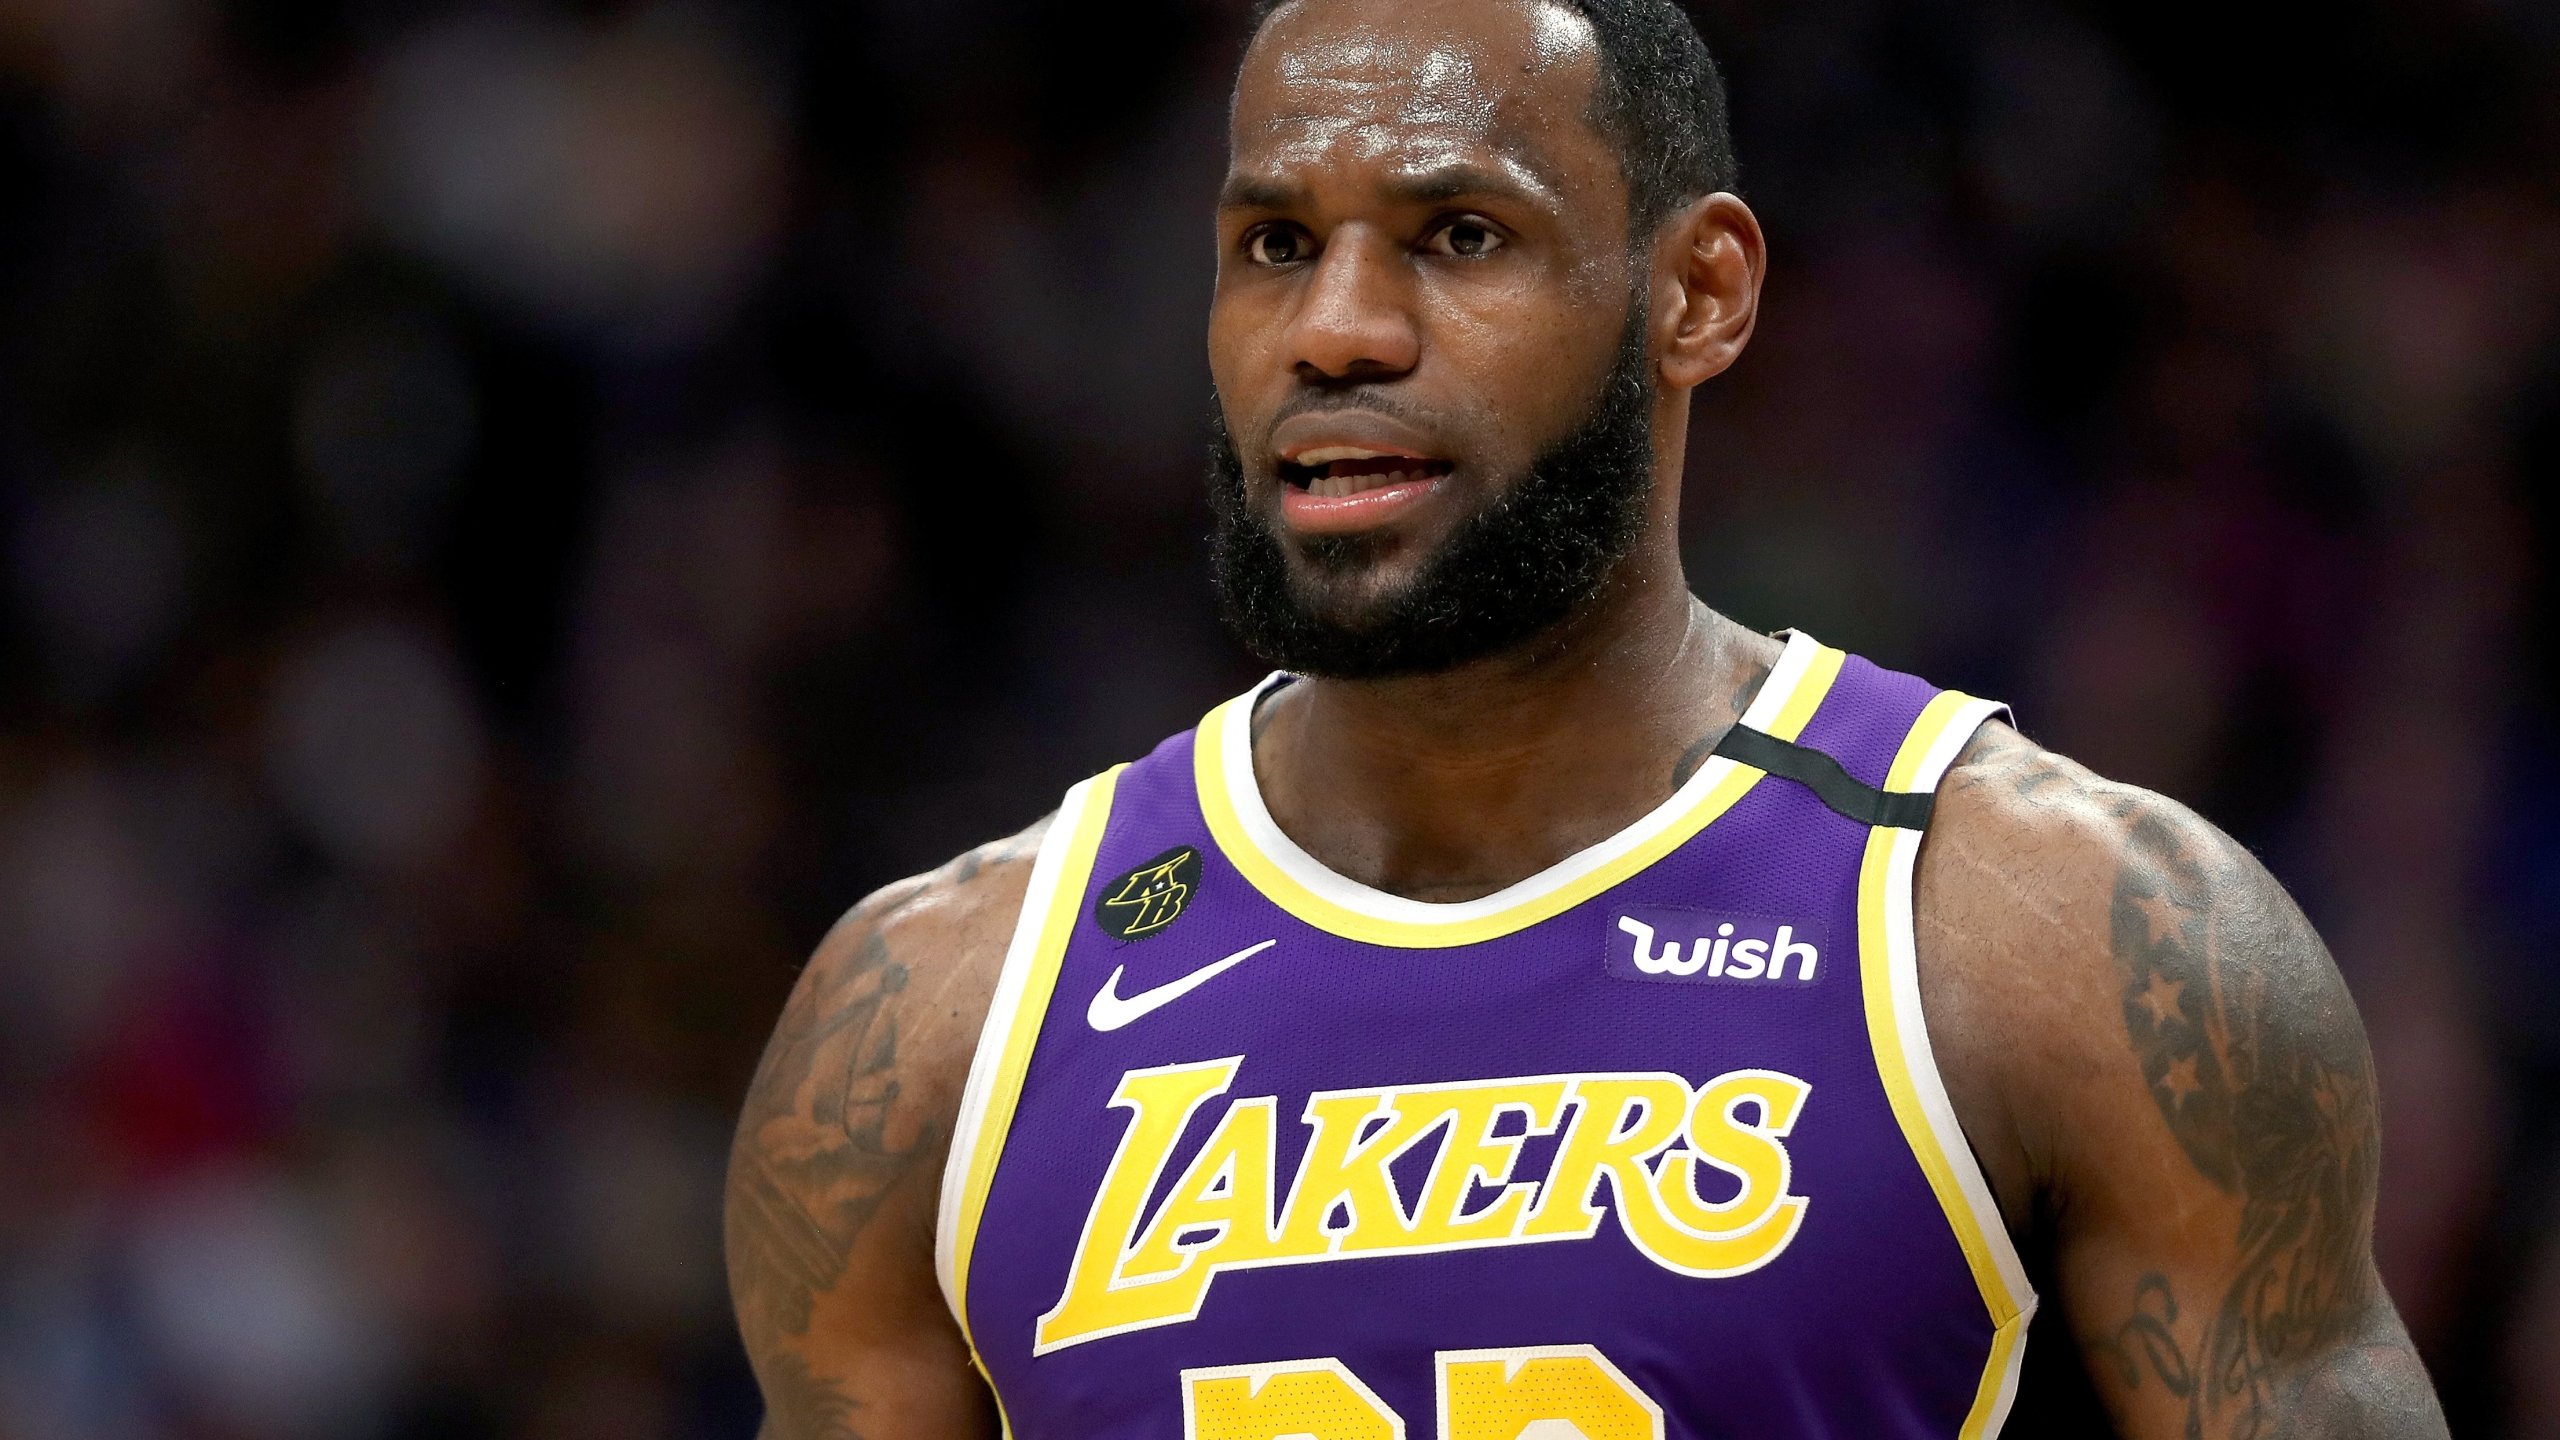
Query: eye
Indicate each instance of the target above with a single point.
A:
(1275, 245)
(1465, 238)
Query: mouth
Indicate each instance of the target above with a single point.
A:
(1335, 472)
(1354, 470)
(1357, 493)
(1338, 472)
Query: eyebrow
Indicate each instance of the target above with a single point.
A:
(1435, 186)
(1258, 192)
(1443, 183)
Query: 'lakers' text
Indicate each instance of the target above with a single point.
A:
(1648, 1140)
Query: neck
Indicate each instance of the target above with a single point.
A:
(1454, 785)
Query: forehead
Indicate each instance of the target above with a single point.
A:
(1419, 83)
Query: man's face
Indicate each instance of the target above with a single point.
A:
(1423, 317)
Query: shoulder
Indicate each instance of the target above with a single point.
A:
(850, 1112)
(914, 964)
(2090, 948)
(2034, 851)
(934, 942)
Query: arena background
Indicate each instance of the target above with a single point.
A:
(512, 516)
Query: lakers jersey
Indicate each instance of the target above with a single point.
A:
(1649, 1145)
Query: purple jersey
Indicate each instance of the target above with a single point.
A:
(1647, 1145)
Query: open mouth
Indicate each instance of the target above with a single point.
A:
(1334, 471)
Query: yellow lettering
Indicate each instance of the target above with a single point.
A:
(1343, 1169)
(1227, 1190)
(1161, 1101)
(1472, 1150)
(1317, 1398)
(1620, 1120)
(1217, 1215)
(1747, 1231)
(1748, 1151)
(1499, 1394)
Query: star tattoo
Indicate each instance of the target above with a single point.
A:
(2181, 1080)
(2160, 997)
(2163, 917)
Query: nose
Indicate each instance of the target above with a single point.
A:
(1355, 318)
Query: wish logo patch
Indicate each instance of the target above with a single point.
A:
(1147, 899)
(1658, 942)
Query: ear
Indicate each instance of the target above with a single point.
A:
(1708, 264)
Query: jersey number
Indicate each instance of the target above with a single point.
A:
(1483, 1395)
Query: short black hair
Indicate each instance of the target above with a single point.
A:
(1659, 100)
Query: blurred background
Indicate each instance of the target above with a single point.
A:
(513, 515)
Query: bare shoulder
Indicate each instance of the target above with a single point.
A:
(838, 1157)
(2164, 1074)
(2106, 934)
(915, 964)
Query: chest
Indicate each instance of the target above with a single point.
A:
(1652, 1126)
(1650, 1145)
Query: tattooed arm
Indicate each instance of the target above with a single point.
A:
(2169, 1086)
(837, 1166)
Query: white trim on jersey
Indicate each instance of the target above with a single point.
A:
(1244, 793)
(1037, 900)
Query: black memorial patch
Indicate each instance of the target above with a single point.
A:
(1147, 899)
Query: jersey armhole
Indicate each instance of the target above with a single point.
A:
(1889, 967)
(1059, 875)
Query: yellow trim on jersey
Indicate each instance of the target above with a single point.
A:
(1065, 901)
(1889, 977)
(1808, 697)
(1725, 783)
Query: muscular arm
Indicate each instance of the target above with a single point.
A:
(837, 1165)
(2171, 1083)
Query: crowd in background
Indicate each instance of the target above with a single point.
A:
(513, 515)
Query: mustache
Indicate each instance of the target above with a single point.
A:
(1357, 395)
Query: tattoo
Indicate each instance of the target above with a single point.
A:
(2255, 1059)
(1999, 754)
(1698, 751)
(823, 1139)
(2372, 1389)
(2149, 1341)
(998, 852)
(1749, 689)
(800, 1405)
(836, 1125)
(1693, 757)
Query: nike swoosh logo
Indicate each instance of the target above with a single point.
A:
(1110, 1009)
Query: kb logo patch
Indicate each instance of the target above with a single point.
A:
(1149, 898)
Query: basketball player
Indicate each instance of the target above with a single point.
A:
(1545, 1006)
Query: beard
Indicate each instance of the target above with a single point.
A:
(1542, 550)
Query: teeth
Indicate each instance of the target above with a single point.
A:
(1334, 487)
